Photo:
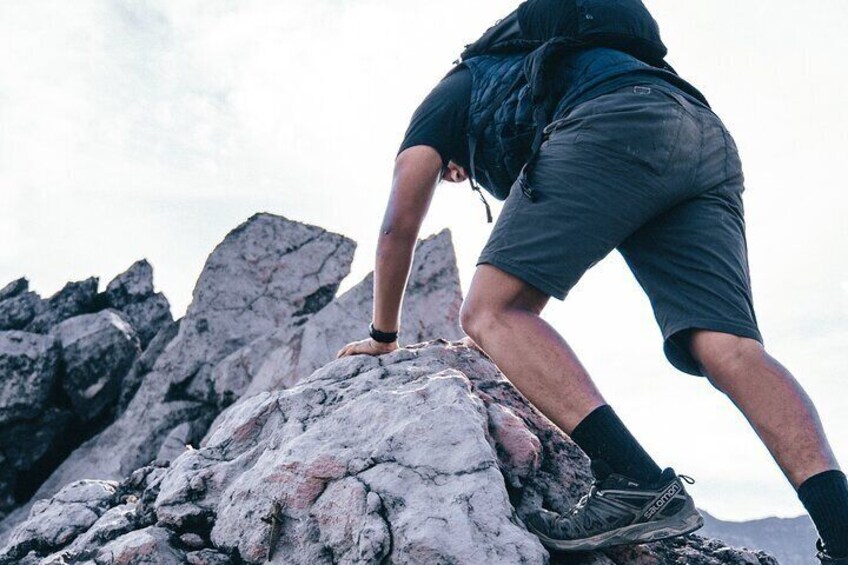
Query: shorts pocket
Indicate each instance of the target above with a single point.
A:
(639, 125)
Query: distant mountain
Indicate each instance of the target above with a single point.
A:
(790, 540)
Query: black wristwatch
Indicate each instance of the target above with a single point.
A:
(382, 337)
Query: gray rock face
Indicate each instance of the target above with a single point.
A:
(97, 349)
(430, 309)
(18, 311)
(132, 293)
(54, 523)
(74, 299)
(268, 275)
(144, 364)
(28, 367)
(14, 288)
(426, 455)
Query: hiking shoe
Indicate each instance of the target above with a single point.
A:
(618, 511)
(826, 559)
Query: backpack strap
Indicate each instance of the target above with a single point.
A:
(475, 135)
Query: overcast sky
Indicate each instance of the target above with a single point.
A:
(151, 128)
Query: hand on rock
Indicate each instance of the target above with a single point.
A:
(468, 342)
(368, 347)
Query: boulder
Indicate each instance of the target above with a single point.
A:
(269, 274)
(28, 367)
(14, 288)
(132, 293)
(54, 523)
(74, 299)
(18, 311)
(97, 350)
(424, 455)
(148, 546)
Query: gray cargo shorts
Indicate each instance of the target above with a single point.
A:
(649, 172)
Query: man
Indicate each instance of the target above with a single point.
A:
(633, 159)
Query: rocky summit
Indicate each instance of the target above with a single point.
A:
(233, 435)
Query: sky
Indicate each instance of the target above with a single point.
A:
(151, 128)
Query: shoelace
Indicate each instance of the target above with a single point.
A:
(594, 491)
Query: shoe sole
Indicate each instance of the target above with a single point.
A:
(635, 534)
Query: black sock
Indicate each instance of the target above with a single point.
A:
(825, 496)
(602, 435)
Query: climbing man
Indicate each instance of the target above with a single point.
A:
(567, 110)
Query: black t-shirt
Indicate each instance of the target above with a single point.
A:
(441, 121)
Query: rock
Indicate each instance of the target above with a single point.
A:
(176, 441)
(132, 293)
(149, 316)
(113, 523)
(54, 523)
(20, 310)
(24, 443)
(150, 545)
(425, 455)
(208, 557)
(144, 364)
(14, 288)
(269, 274)
(74, 299)
(25, 447)
(430, 309)
(97, 349)
(133, 285)
(28, 368)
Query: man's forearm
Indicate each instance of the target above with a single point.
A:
(394, 258)
(416, 173)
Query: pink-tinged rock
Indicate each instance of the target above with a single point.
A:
(148, 546)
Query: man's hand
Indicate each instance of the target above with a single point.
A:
(368, 347)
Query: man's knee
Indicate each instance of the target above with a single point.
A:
(475, 317)
(724, 357)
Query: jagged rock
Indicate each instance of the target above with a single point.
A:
(97, 349)
(425, 455)
(269, 274)
(28, 368)
(430, 309)
(149, 316)
(132, 293)
(20, 310)
(54, 523)
(133, 285)
(74, 299)
(144, 364)
(14, 288)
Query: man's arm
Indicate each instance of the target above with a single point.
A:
(417, 171)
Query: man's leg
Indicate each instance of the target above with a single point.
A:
(787, 422)
(502, 315)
